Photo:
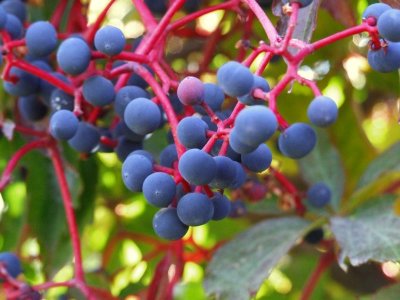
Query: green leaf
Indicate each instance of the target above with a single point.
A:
(370, 234)
(45, 207)
(380, 174)
(267, 206)
(306, 22)
(324, 164)
(89, 173)
(388, 161)
(189, 290)
(348, 125)
(388, 293)
(238, 268)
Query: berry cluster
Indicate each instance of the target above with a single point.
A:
(100, 93)
(221, 149)
(212, 148)
(384, 56)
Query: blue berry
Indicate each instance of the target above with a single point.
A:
(211, 125)
(240, 177)
(3, 17)
(98, 91)
(176, 103)
(73, 56)
(229, 153)
(197, 167)
(319, 195)
(144, 153)
(125, 147)
(195, 209)
(222, 206)
(168, 156)
(225, 174)
(254, 125)
(15, 8)
(135, 169)
(122, 130)
(125, 95)
(137, 80)
(159, 189)
(235, 79)
(389, 25)
(26, 85)
(63, 125)
(191, 91)
(259, 160)
(142, 116)
(167, 225)
(41, 38)
(46, 88)
(213, 96)
(386, 59)
(86, 138)
(297, 140)
(259, 83)
(11, 263)
(192, 132)
(61, 100)
(375, 10)
(43, 65)
(32, 108)
(14, 27)
(237, 145)
(322, 111)
(109, 40)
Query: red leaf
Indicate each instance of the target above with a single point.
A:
(341, 10)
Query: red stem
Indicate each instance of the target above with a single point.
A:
(264, 63)
(75, 18)
(27, 130)
(96, 25)
(12, 163)
(145, 14)
(69, 212)
(159, 168)
(364, 27)
(58, 13)
(160, 30)
(108, 142)
(49, 285)
(292, 24)
(161, 270)
(269, 28)
(324, 262)
(290, 188)
(189, 18)
(44, 75)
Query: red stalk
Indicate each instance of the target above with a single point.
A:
(324, 262)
